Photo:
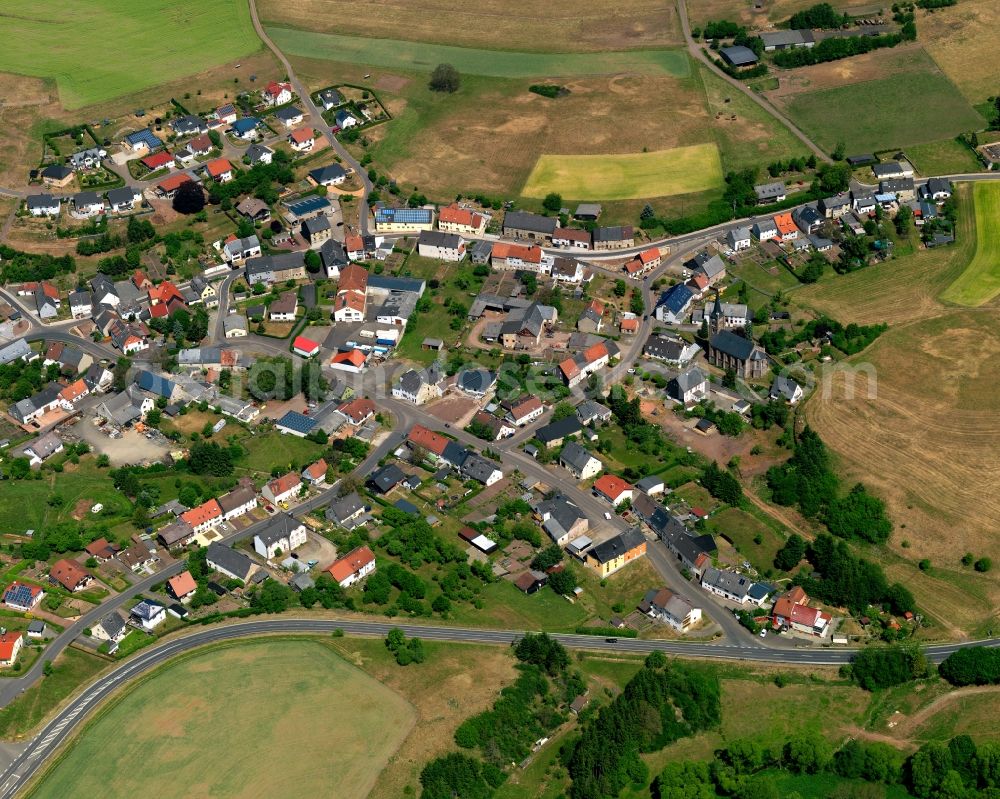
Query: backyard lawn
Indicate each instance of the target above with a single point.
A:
(980, 282)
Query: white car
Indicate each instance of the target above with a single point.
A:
(607, 515)
(763, 633)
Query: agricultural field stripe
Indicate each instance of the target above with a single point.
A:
(980, 282)
(423, 57)
(661, 173)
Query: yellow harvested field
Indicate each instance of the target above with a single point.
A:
(679, 170)
(964, 39)
(523, 25)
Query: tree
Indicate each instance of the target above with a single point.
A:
(789, 556)
(552, 202)
(313, 262)
(272, 597)
(189, 198)
(445, 78)
(620, 288)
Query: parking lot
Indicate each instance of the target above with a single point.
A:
(131, 447)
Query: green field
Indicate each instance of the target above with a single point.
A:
(897, 111)
(980, 282)
(423, 57)
(105, 49)
(946, 157)
(241, 720)
(679, 170)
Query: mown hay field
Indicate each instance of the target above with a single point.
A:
(678, 170)
(105, 49)
(240, 721)
(530, 25)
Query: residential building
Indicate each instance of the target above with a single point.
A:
(124, 199)
(42, 205)
(22, 596)
(276, 93)
(613, 489)
(476, 467)
(662, 604)
(499, 428)
(302, 140)
(282, 534)
(787, 229)
(617, 237)
(574, 238)
(290, 116)
(568, 270)
(455, 219)
(836, 206)
(283, 309)
(770, 193)
(238, 502)
(785, 389)
(443, 246)
(808, 218)
(688, 387)
(70, 575)
(672, 349)
(739, 57)
(206, 516)
(56, 175)
(590, 411)
(347, 511)
(674, 303)
(739, 239)
(728, 584)
(329, 175)
(528, 258)
(591, 319)
(333, 257)
(582, 365)
(182, 586)
(765, 230)
(525, 225)
(561, 519)
(791, 611)
(357, 411)
(608, 557)
(579, 462)
(475, 382)
(111, 628)
(418, 387)
(936, 189)
(10, 647)
(43, 448)
(234, 325)
(148, 614)
(787, 40)
(282, 489)
(229, 562)
(524, 410)
(353, 567)
(553, 434)
(891, 170)
(399, 220)
(315, 473)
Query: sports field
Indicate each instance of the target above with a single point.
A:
(980, 282)
(423, 57)
(246, 720)
(104, 49)
(679, 170)
(912, 107)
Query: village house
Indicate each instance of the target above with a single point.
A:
(571, 237)
(613, 489)
(617, 237)
(455, 219)
(561, 520)
(42, 205)
(770, 193)
(282, 534)
(148, 614)
(353, 567)
(400, 220)
(276, 93)
(554, 433)
(56, 175)
(347, 511)
(662, 604)
(70, 575)
(591, 318)
(672, 349)
(520, 257)
(302, 140)
(283, 309)
(609, 556)
(524, 410)
(204, 517)
(315, 473)
(418, 387)
(579, 462)
(230, 562)
(525, 225)
(22, 596)
(739, 239)
(237, 502)
(182, 587)
(791, 611)
(443, 246)
(765, 230)
(329, 175)
(582, 365)
(10, 647)
(282, 489)
(688, 387)
(785, 389)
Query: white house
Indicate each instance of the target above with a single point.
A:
(443, 246)
(580, 463)
(353, 567)
(739, 239)
(282, 535)
(765, 230)
(42, 205)
(148, 614)
(282, 489)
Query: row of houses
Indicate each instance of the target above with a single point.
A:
(85, 203)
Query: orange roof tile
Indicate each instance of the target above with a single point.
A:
(305, 344)
(157, 160)
(352, 563)
(285, 483)
(420, 436)
(8, 641)
(357, 410)
(182, 585)
(530, 254)
(354, 357)
(315, 471)
(456, 215)
(73, 391)
(350, 299)
(612, 486)
(649, 256)
(353, 278)
(785, 223)
(218, 167)
(353, 243)
(205, 512)
(174, 182)
(301, 135)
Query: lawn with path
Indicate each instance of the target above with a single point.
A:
(980, 282)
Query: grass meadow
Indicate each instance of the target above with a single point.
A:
(292, 713)
(104, 49)
(897, 111)
(980, 282)
(423, 57)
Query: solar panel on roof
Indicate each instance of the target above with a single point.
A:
(308, 205)
(298, 422)
(18, 595)
(402, 215)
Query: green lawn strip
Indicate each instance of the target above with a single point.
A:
(945, 157)
(423, 57)
(73, 668)
(506, 607)
(167, 39)
(980, 282)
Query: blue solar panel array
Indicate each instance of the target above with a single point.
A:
(293, 420)
(308, 205)
(144, 136)
(19, 595)
(403, 215)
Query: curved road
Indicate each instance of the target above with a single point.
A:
(318, 122)
(33, 757)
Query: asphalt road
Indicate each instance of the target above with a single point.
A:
(21, 770)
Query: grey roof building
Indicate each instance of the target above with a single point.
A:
(523, 223)
(229, 562)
